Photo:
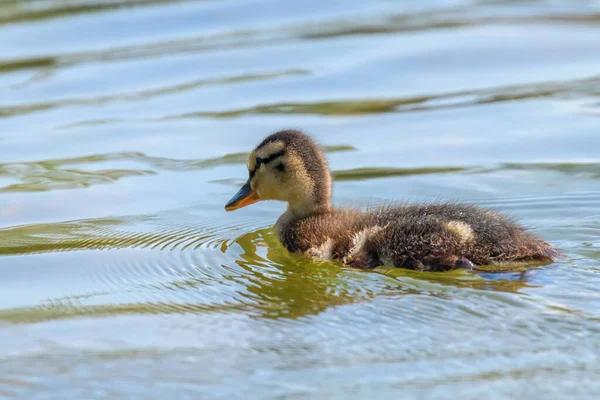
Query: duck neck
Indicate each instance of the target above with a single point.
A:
(299, 211)
(316, 200)
(300, 207)
(295, 213)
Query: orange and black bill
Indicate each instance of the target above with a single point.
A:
(244, 197)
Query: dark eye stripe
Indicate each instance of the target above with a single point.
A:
(266, 160)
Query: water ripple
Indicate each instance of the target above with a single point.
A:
(94, 304)
(64, 173)
(143, 95)
(588, 88)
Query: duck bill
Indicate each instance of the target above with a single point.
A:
(244, 197)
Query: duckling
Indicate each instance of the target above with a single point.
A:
(289, 166)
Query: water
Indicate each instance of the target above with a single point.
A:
(124, 127)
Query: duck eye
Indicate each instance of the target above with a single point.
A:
(280, 167)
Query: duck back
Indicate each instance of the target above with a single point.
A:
(423, 236)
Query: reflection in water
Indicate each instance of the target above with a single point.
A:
(267, 282)
(441, 18)
(358, 174)
(31, 10)
(110, 233)
(586, 88)
(289, 285)
(144, 95)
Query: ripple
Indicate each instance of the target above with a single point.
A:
(579, 170)
(175, 267)
(31, 10)
(144, 95)
(105, 305)
(434, 18)
(63, 173)
(588, 87)
(357, 174)
(115, 233)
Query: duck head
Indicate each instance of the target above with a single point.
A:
(287, 166)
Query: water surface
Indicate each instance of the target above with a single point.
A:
(124, 126)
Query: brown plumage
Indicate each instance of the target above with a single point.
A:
(289, 166)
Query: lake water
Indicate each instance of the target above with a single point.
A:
(123, 131)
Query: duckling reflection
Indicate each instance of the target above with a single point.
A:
(289, 166)
(289, 285)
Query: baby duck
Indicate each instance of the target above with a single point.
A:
(289, 166)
